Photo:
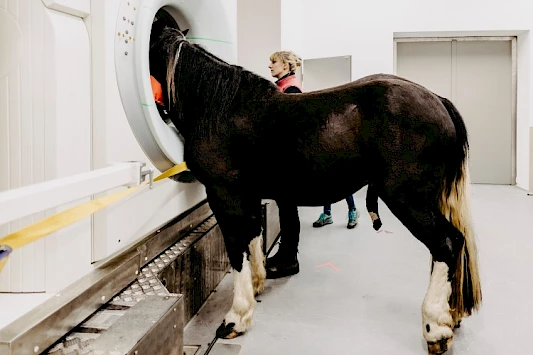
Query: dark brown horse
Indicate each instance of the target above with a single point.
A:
(245, 141)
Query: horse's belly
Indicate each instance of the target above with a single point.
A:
(311, 186)
(325, 191)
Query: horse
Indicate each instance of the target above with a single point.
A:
(246, 141)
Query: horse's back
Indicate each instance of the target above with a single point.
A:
(410, 133)
(350, 134)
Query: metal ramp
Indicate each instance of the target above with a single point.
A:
(139, 301)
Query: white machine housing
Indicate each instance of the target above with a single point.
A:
(70, 103)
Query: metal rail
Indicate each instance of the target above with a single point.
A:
(27, 200)
(40, 328)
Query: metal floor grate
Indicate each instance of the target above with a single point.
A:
(78, 341)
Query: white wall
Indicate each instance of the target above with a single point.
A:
(44, 133)
(264, 27)
(366, 30)
(258, 34)
(292, 26)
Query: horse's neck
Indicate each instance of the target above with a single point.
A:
(209, 90)
(204, 64)
(206, 89)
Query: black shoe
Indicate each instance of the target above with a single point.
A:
(274, 260)
(279, 266)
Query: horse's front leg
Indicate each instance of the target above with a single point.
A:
(239, 218)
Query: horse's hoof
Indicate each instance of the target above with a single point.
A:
(377, 224)
(458, 324)
(440, 347)
(226, 331)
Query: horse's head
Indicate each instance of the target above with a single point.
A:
(196, 84)
(163, 44)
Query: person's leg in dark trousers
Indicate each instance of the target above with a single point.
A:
(285, 262)
(353, 214)
(351, 203)
(327, 210)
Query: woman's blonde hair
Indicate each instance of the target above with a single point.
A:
(287, 57)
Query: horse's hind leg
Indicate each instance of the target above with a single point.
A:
(443, 242)
(372, 206)
(239, 218)
(453, 289)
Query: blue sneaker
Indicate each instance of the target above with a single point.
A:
(323, 220)
(353, 216)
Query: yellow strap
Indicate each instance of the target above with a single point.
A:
(172, 171)
(65, 218)
(3, 263)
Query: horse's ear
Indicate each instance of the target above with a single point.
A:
(185, 31)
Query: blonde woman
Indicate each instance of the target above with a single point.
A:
(283, 66)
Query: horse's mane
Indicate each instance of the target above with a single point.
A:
(208, 86)
(211, 82)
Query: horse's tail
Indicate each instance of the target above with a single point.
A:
(454, 204)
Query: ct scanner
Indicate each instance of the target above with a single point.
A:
(75, 96)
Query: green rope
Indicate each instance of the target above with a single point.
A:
(208, 39)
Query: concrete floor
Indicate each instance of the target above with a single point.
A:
(369, 301)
